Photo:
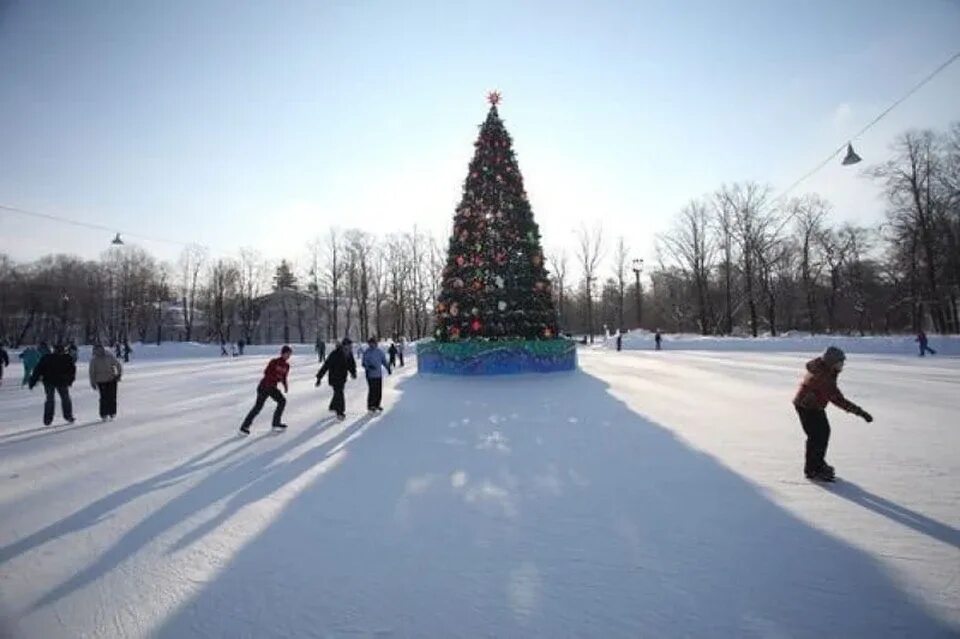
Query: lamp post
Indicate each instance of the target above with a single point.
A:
(637, 270)
(590, 307)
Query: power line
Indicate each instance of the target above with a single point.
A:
(88, 225)
(930, 76)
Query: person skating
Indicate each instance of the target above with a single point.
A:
(73, 351)
(339, 364)
(240, 345)
(657, 338)
(223, 348)
(400, 351)
(392, 351)
(57, 372)
(117, 350)
(819, 387)
(374, 361)
(4, 361)
(924, 344)
(43, 349)
(619, 341)
(274, 374)
(105, 373)
(126, 351)
(321, 349)
(29, 357)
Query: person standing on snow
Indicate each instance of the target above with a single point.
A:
(29, 357)
(4, 361)
(274, 374)
(819, 387)
(73, 351)
(126, 351)
(338, 364)
(392, 351)
(924, 344)
(321, 349)
(400, 351)
(57, 372)
(619, 341)
(657, 338)
(105, 373)
(374, 361)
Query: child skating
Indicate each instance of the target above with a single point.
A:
(819, 387)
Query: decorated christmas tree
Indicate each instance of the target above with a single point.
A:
(495, 284)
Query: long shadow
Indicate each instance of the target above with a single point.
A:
(895, 512)
(46, 431)
(225, 480)
(540, 506)
(96, 511)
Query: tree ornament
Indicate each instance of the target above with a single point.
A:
(547, 332)
(502, 305)
(499, 281)
(457, 283)
(454, 309)
(476, 325)
(460, 260)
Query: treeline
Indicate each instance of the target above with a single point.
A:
(346, 283)
(740, 261)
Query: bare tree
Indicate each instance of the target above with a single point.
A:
(589, 254)
(251, 279)
(621, 256)
(809, 212)
(693, 251)
(559, 260)
(753, 220)
(192, 260)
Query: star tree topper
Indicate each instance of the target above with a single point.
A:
(493, 98)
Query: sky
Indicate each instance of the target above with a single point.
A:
(263, 124)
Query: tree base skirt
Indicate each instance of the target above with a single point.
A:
(507, 357)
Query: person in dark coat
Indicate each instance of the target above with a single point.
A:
(657, 338)
(57, 372)
(240, 346)
(924, 344)
(374, 361)
(321, 349)
(4, 361)
(274, 374)
(619, 341)
(400, 351)
(392, 352)
(819, 387)
(126, 351)
(339, 364)
(73, 351)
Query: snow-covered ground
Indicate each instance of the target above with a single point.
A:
(646, 495)
(791, 342)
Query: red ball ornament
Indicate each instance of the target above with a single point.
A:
(476, 325)
(460, 260)
(547, 332)
(454, 332)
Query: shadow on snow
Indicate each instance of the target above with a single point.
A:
(535, 506)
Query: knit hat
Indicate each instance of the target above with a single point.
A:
(833, 355)
(286, 349)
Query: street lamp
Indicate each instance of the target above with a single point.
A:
(117, 241)
(589, 279)
(637, 270)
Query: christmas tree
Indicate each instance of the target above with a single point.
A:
(495, 284)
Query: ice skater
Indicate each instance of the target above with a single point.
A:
(126, 351)
(4, 361)
(273, 375)
(105, 374)
(374, 361)
(339, 364)
(400, 351)
(29, 357)
(819, 387)
(924, 344)
(392, 351)
(657, 339)
(57, 372)
(321, 349)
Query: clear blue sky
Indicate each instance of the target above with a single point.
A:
(235, 123)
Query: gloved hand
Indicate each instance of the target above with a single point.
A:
(867, 417)
(317, 385)
(93, 386)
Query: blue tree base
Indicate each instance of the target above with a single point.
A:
(506, 357)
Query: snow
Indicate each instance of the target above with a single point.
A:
(795, 342)
(647, 494)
